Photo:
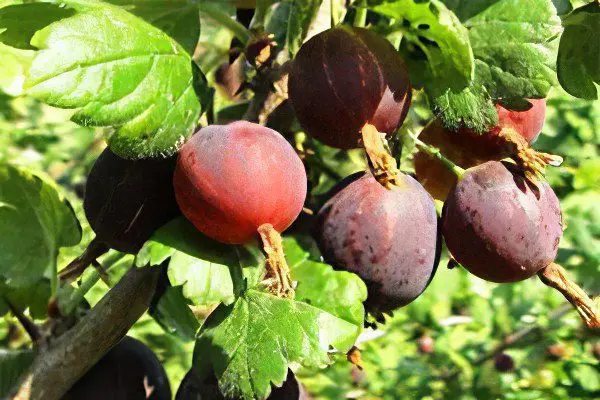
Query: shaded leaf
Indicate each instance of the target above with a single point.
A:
(35, 221)
(578, 63)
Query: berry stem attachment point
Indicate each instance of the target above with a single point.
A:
(435, 153)
(532, 162)
(381, 162)
(76, 267)
(556, 277)
(278, 273)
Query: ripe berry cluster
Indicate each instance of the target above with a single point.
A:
(240, 181)
(349, 88)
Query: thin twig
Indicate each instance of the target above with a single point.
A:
(510, 341)
(30, 327)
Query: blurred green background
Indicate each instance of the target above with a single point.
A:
(436, 347)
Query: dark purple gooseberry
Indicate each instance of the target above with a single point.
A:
(498, 226)
(346, 77)
(194, 387)
(387, 237)
(127, 200)
(130, 371)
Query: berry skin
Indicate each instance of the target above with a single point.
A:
(194, 387)
(346, 77)
(496, 227)
(127, 200)
(121, 375)
(387, 237)
(231, 179)
(504, 363)
(426, 344)
(528, 123)
(468, 149)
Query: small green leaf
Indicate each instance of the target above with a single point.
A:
(251, 343)
(290, 22)
(35, 221)
(199, 264)
(13, 364)
(587, 376)
(178, 18)
(33, 297)
(171, 311)
(440, 37)
(119, 71)
(578, 62)
(19, 22)
(337, 292)
(15, 63)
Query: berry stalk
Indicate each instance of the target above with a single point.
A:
(278, 277)
(76, 267)
(383, 166)
(556, 277)
(435, 153)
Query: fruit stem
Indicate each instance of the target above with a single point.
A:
(216, 12)
(76, 267)
(555, 276)
(381, 162)
(434, 152)
(278, 273)
(360, 18)
(88, 283)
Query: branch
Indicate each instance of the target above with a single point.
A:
(556, 277)
(70, 356)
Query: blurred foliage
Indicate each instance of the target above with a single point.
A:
(465, 316)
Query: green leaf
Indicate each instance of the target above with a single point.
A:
(472, 105)
(439, 35)
(578, 63)
(587, 376)
(514, 48)
(171, 311)
(13, 364)
(290, 22)
(587, 175)
(337, 292)
(251, 343)
(15, 63)
(119, 71)
(35, 221)
(202, 266)
(562, 6)
(19, 22)
(35, 297)
(178, 18)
